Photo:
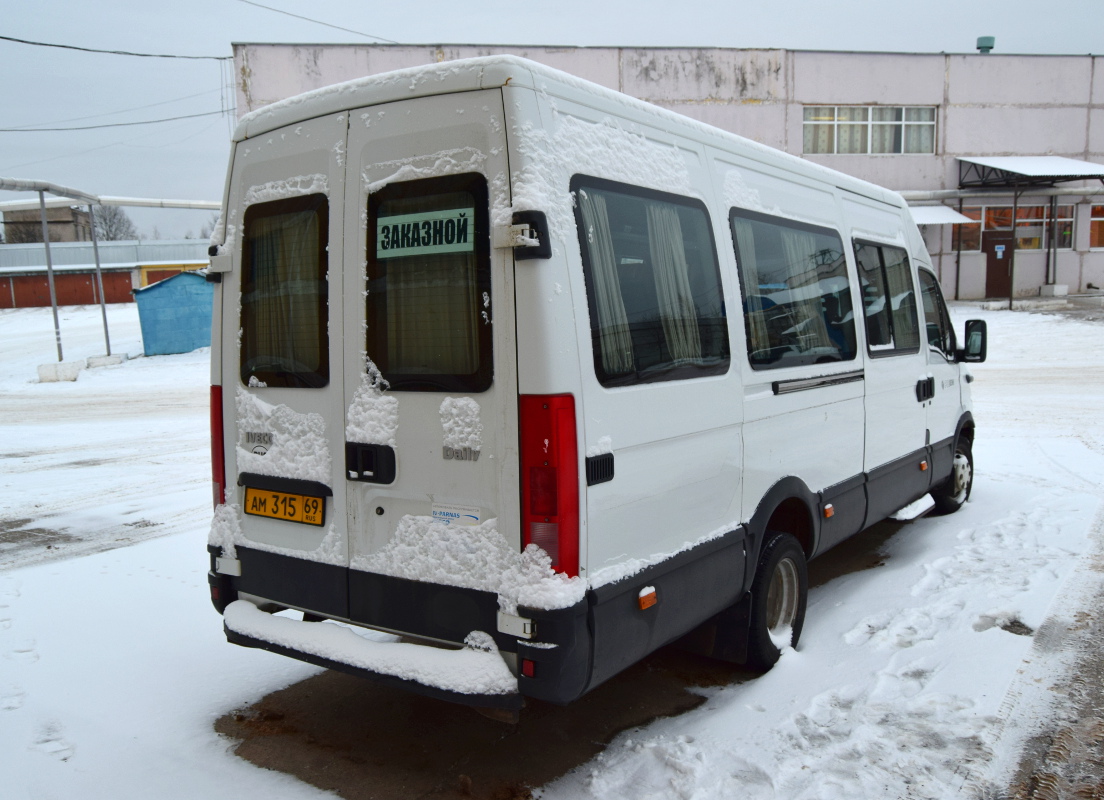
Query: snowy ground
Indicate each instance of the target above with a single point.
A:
(917, 679)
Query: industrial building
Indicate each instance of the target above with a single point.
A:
(981, 144)
(124, 267)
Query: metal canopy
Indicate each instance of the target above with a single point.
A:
(1021, 172)
(937, 215)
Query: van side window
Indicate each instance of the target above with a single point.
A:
(889, 299)
(653, 285)
(429, 285)
(797, 299)
(936, 319)
(284, 313)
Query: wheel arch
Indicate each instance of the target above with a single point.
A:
(787, 507)
(965, 429)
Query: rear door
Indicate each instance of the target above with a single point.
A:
(283, 381)
(430, 356)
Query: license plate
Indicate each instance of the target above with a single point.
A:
(283, 505)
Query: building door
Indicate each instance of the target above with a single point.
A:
(997, 246)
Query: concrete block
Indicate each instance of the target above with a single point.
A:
(61, 371)
(1054, 290)
(106, 361)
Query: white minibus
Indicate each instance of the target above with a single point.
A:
(516, 379)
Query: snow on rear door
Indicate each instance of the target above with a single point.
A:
(431, 373)
(283, 382)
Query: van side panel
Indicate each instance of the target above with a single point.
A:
(802, 421)
(676, 474)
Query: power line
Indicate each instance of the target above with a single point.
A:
(115, 52)
(318, 22)
(132, 142)
(34, 125)
(111, 125)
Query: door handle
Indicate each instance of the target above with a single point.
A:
(925, 389)
(371, 463)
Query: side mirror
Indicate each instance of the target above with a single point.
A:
(975, 349)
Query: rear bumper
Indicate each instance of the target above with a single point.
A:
(574, 649)
(465, 676)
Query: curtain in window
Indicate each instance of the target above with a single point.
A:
(615, 340)
(819, 132)
(906, 333)
(432, 315)
(919, 138)
(800, 248)
(287, 297)
(758, 337)
(885, 139)
(672, 283)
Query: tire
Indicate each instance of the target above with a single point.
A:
(952, 494)
(779, 596)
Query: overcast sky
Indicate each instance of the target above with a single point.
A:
(186, 158)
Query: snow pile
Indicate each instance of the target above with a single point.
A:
(473, 557)
(737, 193)
(607, 150)
(288, 187)
(372, 417)
(670, 767)
(226, 532)
(460, 422)
(298, 448)
(605, 445)
(226, 529)
(471, 670)
(456, 161)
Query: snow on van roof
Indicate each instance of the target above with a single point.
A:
(487, 72)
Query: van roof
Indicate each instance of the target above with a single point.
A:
(491, 72)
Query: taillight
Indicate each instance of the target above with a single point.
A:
(550, 478)
(218, 463)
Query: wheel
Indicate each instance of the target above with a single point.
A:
(953, 493)
(779, 595)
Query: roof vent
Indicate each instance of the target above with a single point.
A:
(986, 43)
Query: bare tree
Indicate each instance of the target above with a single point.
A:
(209, 226)
(113, 224)
(26, 232)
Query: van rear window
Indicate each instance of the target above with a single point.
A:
(284, 293)
(797, 299)
(654, 289)
(429, 285)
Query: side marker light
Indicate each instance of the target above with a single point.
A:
(647, 597)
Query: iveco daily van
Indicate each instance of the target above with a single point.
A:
(516, 379)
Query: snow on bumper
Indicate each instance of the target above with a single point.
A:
(468, 675)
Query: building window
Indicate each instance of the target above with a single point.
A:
(1033, 227)
(1096, 228)
(869, 129)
